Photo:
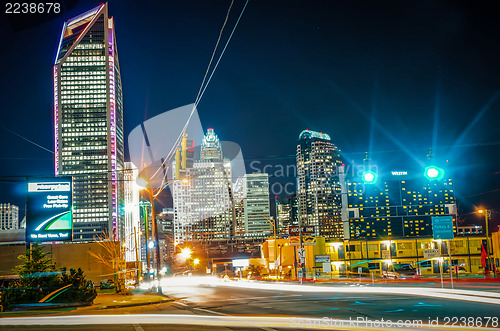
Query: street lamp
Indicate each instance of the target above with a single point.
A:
(186, 253)
(487, 214)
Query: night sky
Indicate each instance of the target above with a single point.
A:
(389, 77)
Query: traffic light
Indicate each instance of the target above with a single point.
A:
(369, 177)
(433, 173)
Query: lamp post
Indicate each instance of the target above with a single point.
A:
(155, 236)
(144, 205)
(274, 231)
(487, 214)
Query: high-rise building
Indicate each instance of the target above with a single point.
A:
(9, 216)
(166, 234)
(394, 204)
(211, 146)
(318, 193)
(88, 127)
(132, 225)
(256, 205)
(203, 204)
(286, 213)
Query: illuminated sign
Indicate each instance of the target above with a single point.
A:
(442, 227)
(399, 173)
(49, 210)
(322, 258)
(295, 230)
(241, 263)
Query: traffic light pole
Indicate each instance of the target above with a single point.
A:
(486, 219)
(155, 235)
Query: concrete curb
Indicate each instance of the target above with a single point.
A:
(36, 306)
(136, 304)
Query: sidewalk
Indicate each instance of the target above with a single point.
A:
(135, 298)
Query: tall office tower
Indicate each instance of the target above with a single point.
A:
(88, 122)
(286, 213)
(318, 160)
(130, 232)
(204, 205)
(256, 205)
(211, 147)
(239, 194)
(395, 204)
(9, 216)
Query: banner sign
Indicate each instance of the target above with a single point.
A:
(49, 209)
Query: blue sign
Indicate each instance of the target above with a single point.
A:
(49, 210)
(322, 258)
(442, 227)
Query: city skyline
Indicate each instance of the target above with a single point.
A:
(396, 136)
(250, 164)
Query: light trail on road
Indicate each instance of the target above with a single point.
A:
(462, 295)
(229, 321)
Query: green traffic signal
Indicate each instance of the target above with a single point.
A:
(369, 177)
(434, 173)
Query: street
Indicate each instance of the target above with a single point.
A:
(236, 305)
(340, 305)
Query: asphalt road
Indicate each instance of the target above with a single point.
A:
(392, 306)
(213, 306)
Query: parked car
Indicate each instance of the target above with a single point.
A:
(107, 284)
(399, 271)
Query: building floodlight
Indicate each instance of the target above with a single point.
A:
(433, 172)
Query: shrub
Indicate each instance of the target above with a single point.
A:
(39, 277)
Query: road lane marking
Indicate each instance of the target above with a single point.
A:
(210, 311)
(423, 304)
(359, 303)
(137, 327)
(393, 311)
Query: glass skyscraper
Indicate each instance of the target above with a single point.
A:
(256, 205)
(319, 203)
(88, 122)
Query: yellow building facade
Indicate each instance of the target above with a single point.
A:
(373, 257)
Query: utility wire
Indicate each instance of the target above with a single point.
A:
(198, 99)
(223, 51)
(34, 143)
(181, 134)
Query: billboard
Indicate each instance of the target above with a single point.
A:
(49, 209)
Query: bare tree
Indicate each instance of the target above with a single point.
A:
(113, 258)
